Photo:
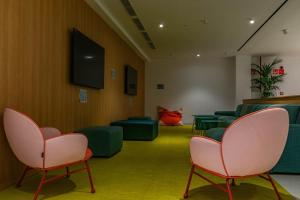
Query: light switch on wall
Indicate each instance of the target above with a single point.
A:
(83, 96)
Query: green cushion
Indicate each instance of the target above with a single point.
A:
(227, 120)
(298, 118)
(225, 113)
(104, 141)
(199, 125)
(215, 133)
(209, 123)
(293, 111)
(244, 110)
(138, 129)
(290, 159)
(249, 108)
(238, 110)
(260, 107)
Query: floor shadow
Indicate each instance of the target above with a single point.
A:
(244, 191)
(55, 188)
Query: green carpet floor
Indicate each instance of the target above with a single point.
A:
(154, 170)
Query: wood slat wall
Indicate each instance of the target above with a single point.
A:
(35, 64)
(275, 100)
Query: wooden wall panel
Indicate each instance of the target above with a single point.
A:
(35, 65)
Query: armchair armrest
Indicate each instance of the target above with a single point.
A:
(225, 113)
(206, 153)
(50, 132)
(65, 149)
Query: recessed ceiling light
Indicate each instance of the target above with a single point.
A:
(198, 55)
(161, 25)
(285, 31)
(251, 21)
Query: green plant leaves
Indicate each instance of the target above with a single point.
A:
(266, 82)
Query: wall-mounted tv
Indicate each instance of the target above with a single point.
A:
(87, 61)
(131, 78)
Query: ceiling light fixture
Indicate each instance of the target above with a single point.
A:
(161, 25)
(251, 21)
(198, 55)
(285, 31)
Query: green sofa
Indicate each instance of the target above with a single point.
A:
(290, 159)
(138, 128)
(104, 141)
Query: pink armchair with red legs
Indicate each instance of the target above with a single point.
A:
(251, 146)
(45, 149)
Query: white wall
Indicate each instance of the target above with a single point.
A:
(199, 86)
(291, 64)
(242, 78)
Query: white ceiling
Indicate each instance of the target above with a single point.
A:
(185, 35)
(271, 41)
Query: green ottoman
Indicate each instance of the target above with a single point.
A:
(104, 141)
(138, 129)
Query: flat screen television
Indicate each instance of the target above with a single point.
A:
(131, 77)
(87, 61)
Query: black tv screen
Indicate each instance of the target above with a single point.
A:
(131, 77)
(87, 64)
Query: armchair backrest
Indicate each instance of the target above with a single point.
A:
(253, 144)
(24, 137)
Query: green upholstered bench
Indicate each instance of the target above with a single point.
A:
(104, 141)
(144, 129)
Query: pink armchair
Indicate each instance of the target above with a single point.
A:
(45, 149)
(251, 146)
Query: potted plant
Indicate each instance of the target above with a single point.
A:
(266, 82)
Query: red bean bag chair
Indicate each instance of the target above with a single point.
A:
(170, 118)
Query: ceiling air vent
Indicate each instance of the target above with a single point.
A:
(131, 12)
(146, 36)
(128, 7)
(151, 45)
(138, 24)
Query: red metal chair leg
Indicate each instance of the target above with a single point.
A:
(22, 176)
(274, 186)
(90, 176)
(42, 182)
(229, 189)
(68, 172)
(186, 193)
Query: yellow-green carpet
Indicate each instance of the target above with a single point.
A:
(154, 170)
